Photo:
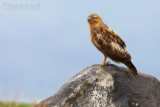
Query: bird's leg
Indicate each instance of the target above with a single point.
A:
(104, 61)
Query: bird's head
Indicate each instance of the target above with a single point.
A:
(94, 18)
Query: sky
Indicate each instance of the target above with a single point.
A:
(45, 43)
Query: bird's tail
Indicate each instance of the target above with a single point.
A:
(131, 67)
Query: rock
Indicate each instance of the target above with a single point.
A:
(108, 86)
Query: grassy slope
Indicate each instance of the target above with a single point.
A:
(13, 104)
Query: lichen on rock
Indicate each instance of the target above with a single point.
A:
(108, 86)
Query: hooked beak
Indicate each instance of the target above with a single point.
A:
(89, 19)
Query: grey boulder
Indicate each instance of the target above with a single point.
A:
(108, 86)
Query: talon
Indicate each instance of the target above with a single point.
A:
(106, 63)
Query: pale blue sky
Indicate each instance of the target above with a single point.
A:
(43, 48)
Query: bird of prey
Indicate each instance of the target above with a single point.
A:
(109, 43)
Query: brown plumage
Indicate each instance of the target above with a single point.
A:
(109, 43)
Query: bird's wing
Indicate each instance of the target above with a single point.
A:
(115, 37)
(117, 44)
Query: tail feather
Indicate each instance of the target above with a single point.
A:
(131, 67)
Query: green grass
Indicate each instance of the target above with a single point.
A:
(14, 104)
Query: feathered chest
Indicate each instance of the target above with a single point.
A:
(99, 35)
(98, 39)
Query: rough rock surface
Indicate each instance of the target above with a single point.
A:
(108, 86)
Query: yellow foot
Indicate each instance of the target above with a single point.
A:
(104, 64)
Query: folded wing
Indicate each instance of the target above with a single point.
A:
(115, 37)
